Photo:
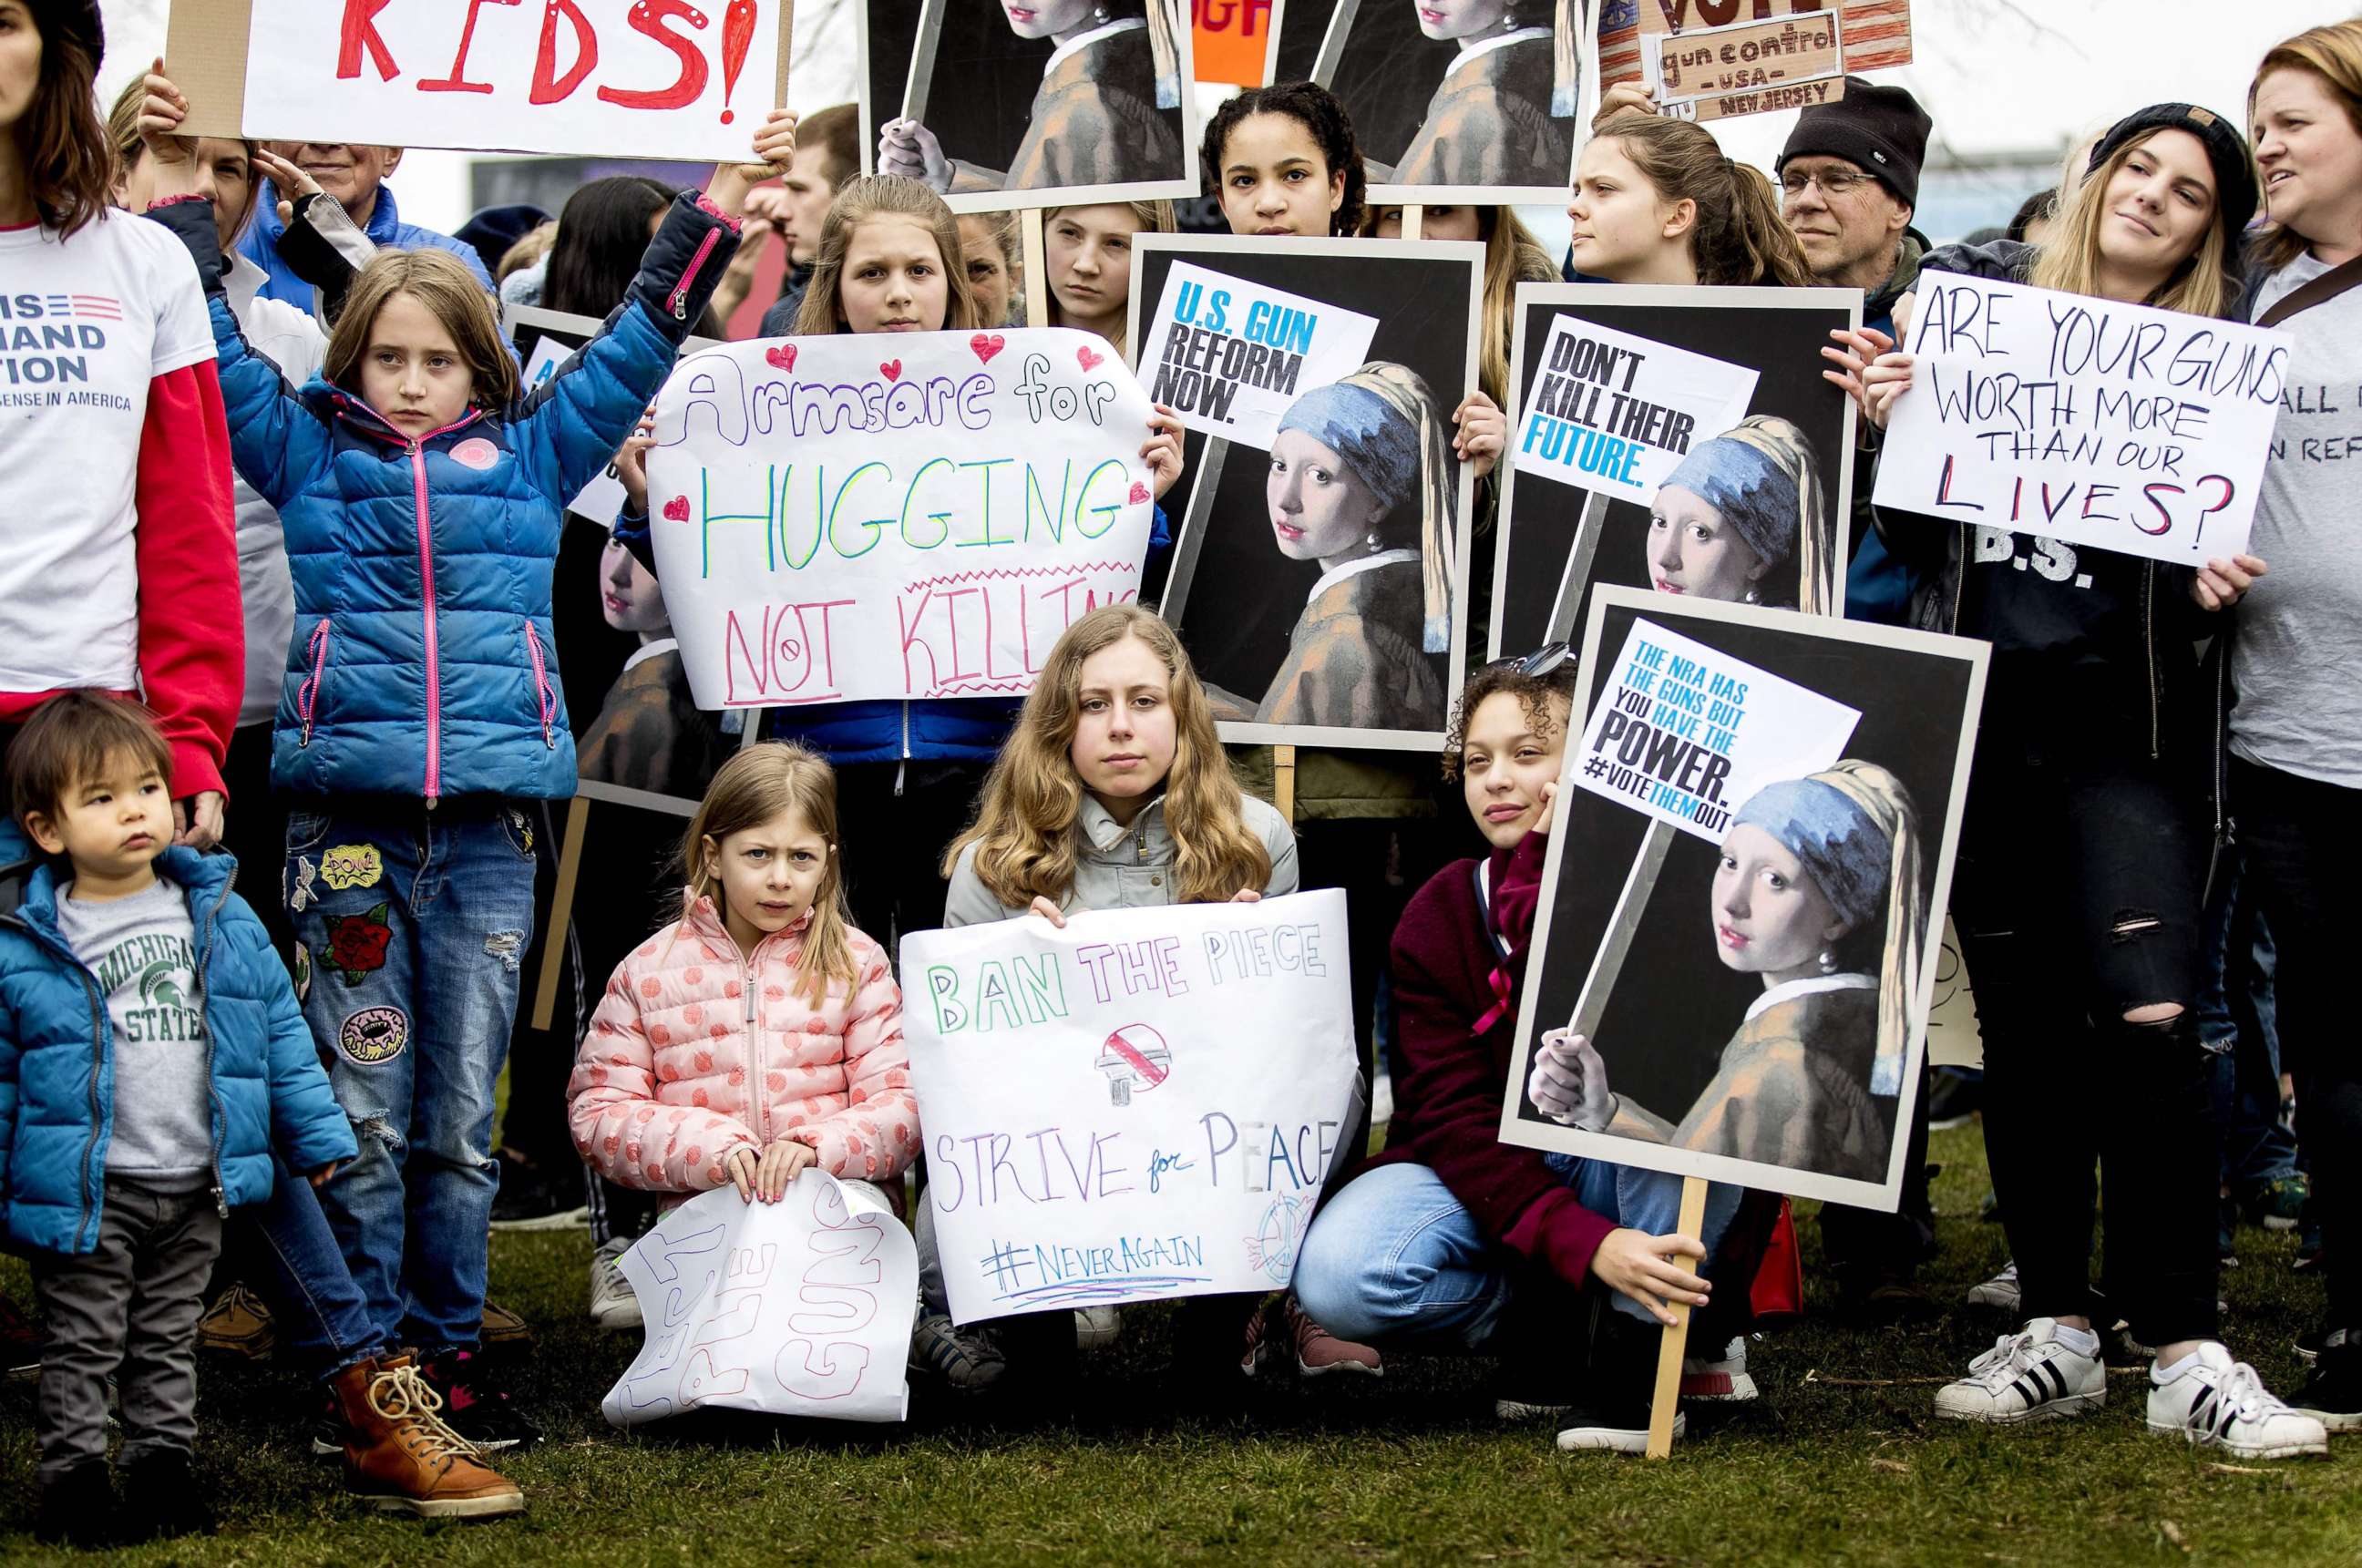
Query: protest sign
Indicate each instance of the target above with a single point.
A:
(799, 1308)
(2106, 426)
(1756, 996)
(1749, 68)
(1874, 35)
(1230, 356)
(1320, 612)
(1033, 106)
(913, 516)
(1686, 733)
(1752, 450)
(637, 78)
(545, 340)
(1617, 413)
(1234, 40)
(1140, 1106)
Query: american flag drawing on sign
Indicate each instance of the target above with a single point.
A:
(1877, 32)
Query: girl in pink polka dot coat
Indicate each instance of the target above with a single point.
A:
(760, 1033)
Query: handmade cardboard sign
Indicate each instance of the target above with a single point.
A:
(1615, 415)
(913, 516)
(638, 77)
(1142, 1105)
(1872, 35)
(2113, 426)
(799, 1308)
(1230, 356)
(1713, 73)
(545, 340)
(1686, 733)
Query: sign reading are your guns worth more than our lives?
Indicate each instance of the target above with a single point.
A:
(2111, 425)
(1140, 1106)
(799, 1308)
(1688, 734)
(1229, 356)
(894, 515)
(678, 79)
(1615, 413)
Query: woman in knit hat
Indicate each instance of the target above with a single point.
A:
(1361, 480)
(1745, 519)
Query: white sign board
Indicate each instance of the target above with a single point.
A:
(799, 1308)
(2111, 425)
(1230, 356)
(1615, 413)
(1687, 734)
(894, 515)
(661, 79)
(1140, 1106)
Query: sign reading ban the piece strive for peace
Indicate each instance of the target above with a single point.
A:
(1615, 413)
(894, 515)
(685, 79)
(799, 1308)
(1140, 1106)
(1687, 733)
(2111, 425)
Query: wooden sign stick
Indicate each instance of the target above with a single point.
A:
(1675, 1341)
(1037, 270)
(561, 912)
(1414, 218)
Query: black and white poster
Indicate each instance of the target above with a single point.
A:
(998, 104)
(1678, 439)
(1453, 101)
(1320, 570)
(1742, 912)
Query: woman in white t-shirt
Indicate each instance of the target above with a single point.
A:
(118, 558)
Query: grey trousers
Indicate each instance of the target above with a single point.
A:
(132, 1304)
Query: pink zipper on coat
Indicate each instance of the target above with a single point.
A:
(543, 694)
(680, 301)
(426, 585)
(307, 696)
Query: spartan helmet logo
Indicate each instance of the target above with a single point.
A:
(1134, 1056)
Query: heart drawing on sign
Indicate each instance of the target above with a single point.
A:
(988, 344)
(1139, 496)
(677, 509)
(891, 369)
(782, 358)
(1091, 358)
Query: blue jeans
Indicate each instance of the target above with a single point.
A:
(1394, 1260)
(317, 1303)
(410, 930)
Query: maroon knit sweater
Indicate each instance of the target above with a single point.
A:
(1447, 1101)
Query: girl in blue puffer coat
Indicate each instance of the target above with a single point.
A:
(419, 724)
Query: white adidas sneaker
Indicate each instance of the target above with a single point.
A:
(2000, 1292)
(2215, 1402)
(2026, 1377)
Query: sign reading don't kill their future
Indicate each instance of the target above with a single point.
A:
(1229, 356)
(1615, 413)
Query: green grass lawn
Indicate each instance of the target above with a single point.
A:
(1819, 1470)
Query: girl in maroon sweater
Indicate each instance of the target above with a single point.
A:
(1454, 1240)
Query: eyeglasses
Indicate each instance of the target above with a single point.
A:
(1538, 663)
(1833, 183)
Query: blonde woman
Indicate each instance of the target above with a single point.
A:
(1087, 252)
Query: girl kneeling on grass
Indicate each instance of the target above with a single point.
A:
(1113, 793)
(761, 1032)
(1457, 1241)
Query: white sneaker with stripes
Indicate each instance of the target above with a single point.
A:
(2000, 1292)
(2215, 1402)
(2030, 1375)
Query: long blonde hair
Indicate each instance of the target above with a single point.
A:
(757, 786)
(439, 282)
(1154, 218)
(2333, 53)
(1027, 834)
(858, 201)
(2069, 260)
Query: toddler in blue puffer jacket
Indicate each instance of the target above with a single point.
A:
(152, 1057)
(420, 727)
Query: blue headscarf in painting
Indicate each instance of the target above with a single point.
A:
(1856, 832)
(1376, 441)
(1749, 486)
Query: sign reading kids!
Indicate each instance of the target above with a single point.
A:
(1615, 413)
(912, 516)
(1687, 733)
(1140, 1106)
(685, 79)
(1229, 356)
(2111, 425)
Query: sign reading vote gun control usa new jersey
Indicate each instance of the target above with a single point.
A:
(894, 515)
(2104, 425)
(1140, 1106)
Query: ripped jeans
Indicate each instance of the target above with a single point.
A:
(411, 929)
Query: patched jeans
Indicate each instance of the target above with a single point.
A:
(411, 929)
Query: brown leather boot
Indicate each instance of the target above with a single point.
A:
(400, 1457)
